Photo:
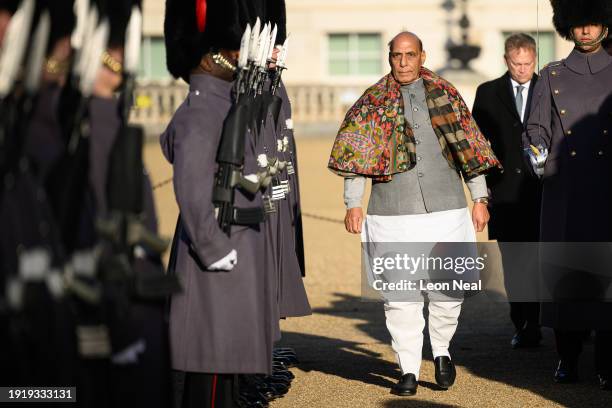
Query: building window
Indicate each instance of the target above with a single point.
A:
(547, 45)
(354, 54)
(153, 59)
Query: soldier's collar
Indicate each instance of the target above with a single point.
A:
(202, 84)
(583, 64)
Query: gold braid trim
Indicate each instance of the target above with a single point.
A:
(54, 66)
(111, 63)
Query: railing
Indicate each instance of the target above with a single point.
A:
(313, 105)
(156, 103)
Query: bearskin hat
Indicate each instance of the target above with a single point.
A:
(573, 13)
(193, 28)
(118, 13)
(63, 19)
(9, 5)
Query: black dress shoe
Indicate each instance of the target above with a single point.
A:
(567, 372)
(605, 382)
(407, 385)
(445, 371)
(527, 338)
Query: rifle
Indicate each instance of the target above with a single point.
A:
(124, 228)
(68, 180)
(11, 102)
(230, 154)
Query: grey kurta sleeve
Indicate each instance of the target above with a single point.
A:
(195, 145)
(538, 130)
(354, 188)
(477, 187)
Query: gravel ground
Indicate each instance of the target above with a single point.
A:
(344, 348)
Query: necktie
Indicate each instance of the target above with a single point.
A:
(519, 100)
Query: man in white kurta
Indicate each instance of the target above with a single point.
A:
(424, 204)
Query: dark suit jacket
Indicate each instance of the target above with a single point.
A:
(515, 193)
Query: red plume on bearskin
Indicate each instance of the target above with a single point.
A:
(201, 14)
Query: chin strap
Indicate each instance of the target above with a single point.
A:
(597, 41)
(223, 62)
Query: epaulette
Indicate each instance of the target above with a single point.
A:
(554, 64)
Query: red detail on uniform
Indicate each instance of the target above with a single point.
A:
(201, 14)
(214, 391)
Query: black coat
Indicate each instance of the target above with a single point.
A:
(515, 194)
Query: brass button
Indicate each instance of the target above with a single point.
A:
(553, 73)
(600, 153)
(563, 112)
(556, 92)
(569, 132)
(573, 153)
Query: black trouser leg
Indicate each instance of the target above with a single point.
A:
(569, 343)
(203, 390)
(516, 315)
(603, 352)
(525, 315)
(532, 314)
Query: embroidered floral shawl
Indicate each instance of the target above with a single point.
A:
(375, 141)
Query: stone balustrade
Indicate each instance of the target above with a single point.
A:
(315, 107)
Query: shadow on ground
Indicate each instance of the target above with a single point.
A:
(414, 403)
(345, 359)
(481, 346)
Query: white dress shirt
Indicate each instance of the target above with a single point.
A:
(525, 94)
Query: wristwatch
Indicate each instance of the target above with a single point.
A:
(483, 200)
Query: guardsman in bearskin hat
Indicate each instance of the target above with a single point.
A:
(110, 340)
(571, 123)
(224, 323)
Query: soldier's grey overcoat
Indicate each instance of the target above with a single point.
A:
(294, 301)
(571, 115)
(291, 294)
(222, 322)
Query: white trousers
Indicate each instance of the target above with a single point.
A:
(405, 320)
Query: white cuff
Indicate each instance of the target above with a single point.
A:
(226, 263)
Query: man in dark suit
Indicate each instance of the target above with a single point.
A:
(501, 109)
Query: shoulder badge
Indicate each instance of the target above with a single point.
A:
(554, 64)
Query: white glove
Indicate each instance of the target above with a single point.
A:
(226, 263)
(537, 158)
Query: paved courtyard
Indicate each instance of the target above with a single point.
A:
(344, 347)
